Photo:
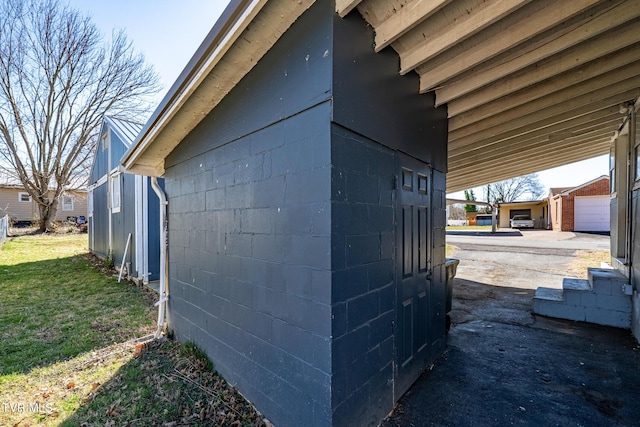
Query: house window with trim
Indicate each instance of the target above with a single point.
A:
(612, 169)
(115, 193)
(24, 197)
(67, 202)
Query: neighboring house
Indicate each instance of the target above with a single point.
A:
(16, 202)
(285, 173)
(537, 210)
(582, 208)
(122, 204)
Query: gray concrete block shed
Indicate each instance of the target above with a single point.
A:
(307, 148)
(306, 228)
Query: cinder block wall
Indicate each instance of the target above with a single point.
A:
(363, 287)
(250, 260)
(250, 231)
(373, 119)
(281, 224)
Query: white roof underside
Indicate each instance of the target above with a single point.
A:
(529, 85)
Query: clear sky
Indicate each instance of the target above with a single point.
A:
(168, 32)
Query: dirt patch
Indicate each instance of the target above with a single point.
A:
(474, 301)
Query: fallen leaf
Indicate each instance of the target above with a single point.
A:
(138, 351)
(112, 410)
(71, 384)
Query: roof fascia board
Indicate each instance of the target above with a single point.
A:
(233, 21)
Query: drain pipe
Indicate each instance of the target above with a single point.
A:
(164, 294)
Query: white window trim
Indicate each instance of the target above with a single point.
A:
(68, 196)
(115, 196)
(24, 193)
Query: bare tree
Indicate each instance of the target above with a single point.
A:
(58, 77)
(527, 187)
(457, 211)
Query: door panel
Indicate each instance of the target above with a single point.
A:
(413, 265)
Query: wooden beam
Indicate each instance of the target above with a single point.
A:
(550, 127)
(404, 20)
(343, 7)
(534, 158)
(581, 56)
(510, 153)
(506, 34)
(556, 106)
(463, 179)
(576, 135)
(594, 129)
(543, 96)
(537, 51)
(461, 28)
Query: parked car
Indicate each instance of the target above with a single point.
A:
(521, 221)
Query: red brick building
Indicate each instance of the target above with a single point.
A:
(581, 208)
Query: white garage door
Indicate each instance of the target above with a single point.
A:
(591, 213)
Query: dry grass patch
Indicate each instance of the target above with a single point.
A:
(585, 259)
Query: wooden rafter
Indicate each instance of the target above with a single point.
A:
(551, 45)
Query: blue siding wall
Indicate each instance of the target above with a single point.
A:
(153, 215)
(123, 222)
(100, 227)
(100, 161)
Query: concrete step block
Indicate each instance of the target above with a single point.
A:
(575, 284)
(601, 316)
(551, 294)
(558, 309)
(584, 298)
(620, 303)
(605, 281)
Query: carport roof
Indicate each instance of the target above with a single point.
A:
(529, 85)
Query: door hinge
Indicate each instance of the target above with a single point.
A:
(393, 327)
(395, 182)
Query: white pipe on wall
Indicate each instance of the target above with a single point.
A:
(162, 302)
(124, 256)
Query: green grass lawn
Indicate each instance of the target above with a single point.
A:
(55, 306)
(75, 348)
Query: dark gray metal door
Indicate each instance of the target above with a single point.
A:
(413, 265)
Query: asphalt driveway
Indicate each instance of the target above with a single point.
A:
(524, 259)
(505, 366)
